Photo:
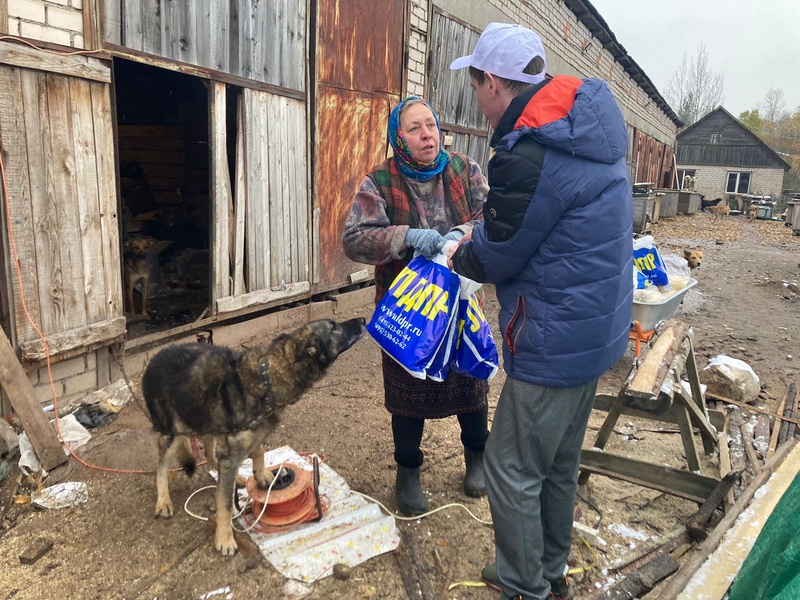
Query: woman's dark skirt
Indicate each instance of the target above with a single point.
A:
(408, 396)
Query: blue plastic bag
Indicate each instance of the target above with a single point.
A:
(475, 353)
(648, 261)
(413, 318)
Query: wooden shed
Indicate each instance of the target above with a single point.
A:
(233, 135)
(202, 126)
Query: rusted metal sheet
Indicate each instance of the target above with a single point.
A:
(254, 39)
(361, 46)
(352, 138)
(653, 158)
(359, 74)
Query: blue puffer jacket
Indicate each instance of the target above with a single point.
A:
(557, 236)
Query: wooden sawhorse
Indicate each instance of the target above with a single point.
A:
(653, 391)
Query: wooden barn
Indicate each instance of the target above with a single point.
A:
(232, 136)
(728, 160)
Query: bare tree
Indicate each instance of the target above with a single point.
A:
(694, 90)
(774, 109)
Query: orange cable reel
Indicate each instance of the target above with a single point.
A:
(293, 499)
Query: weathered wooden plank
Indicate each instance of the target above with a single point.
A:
(111, 21)
(150, 22)
(264, 215)
(677, 586)
(220, 193)
(43, 201)
(132, 34)
(188, 40)
(14, 142)
(88, 200)
(3, 16)
(17, 55)
(276, 181)
(63, 341)
(655, 362)
(684, 484)
(65, 191)
(15, 382)
(240, 205)
(232, 303)
(107, 197)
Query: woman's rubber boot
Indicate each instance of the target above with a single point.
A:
(408, 492)
(474, 481)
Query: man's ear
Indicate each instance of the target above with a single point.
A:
(491, 82)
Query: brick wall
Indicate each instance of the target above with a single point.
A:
(417, 48)
(73, 379)
(54, 21)
(711, 181)
(571, 50)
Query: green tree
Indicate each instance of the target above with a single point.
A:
(752, 120)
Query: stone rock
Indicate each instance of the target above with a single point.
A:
(731, 378)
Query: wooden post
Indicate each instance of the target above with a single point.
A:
(15, 382)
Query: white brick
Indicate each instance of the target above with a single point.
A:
(77, 4)
(13, 26)
(44, 394)
(35, 31)
(78, 41)
(66, 368)
(86, 382)
(29, 10)
(61, 2)
(65, 18)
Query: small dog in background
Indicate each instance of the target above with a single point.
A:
(137, 269)
(719, 212)
(693, 257)
(752, 214)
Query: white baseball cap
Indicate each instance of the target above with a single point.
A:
(505, 50)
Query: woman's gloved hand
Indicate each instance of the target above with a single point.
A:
(454, 236)
(427, 242)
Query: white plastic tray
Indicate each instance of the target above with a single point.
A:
(650, 313)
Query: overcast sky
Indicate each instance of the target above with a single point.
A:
(755, 44)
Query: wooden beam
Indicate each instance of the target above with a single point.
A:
(15, 382)
(18, 55)
(269, 296)
(655, 362)
(665, 479)
(757, 409)
(3, 16)
(675, 588)
(102, 331)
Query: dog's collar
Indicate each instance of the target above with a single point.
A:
(262, 369)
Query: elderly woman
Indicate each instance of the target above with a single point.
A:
(415, 201)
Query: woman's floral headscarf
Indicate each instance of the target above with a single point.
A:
(408, 165)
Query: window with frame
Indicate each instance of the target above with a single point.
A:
(738, 183)
(716, 138)
(682, 175)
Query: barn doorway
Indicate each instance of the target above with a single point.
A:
(162, 127)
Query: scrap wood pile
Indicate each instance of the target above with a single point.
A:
(753, 445)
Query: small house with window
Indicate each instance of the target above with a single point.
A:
(719, 157)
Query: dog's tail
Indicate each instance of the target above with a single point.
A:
(185, 456)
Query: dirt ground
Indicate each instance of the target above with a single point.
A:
(113, 547)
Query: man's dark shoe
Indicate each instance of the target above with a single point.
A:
(490, 578)
(559, 590)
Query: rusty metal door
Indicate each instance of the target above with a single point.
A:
(359, 77)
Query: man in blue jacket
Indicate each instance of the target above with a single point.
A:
(557, 244)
